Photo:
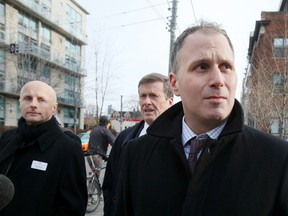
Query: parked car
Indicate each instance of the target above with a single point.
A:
(85, 140)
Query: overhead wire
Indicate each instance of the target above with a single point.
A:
(135, 23)
(130, 11)
(193, 10)
(135, 10)
(156, 11)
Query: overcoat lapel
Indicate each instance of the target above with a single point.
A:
(10, 147)
(178, 147)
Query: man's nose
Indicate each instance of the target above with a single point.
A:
(216, 78)
(147, 100)
(34, 102)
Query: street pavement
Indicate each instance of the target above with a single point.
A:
(98, 212)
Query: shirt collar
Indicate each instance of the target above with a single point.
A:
(143, 131)
(188, 134)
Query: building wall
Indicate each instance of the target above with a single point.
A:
(60, 71)
(264, 65)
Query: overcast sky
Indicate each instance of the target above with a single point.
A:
(134, 36)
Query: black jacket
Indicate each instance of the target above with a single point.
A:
(243, 173)
(49, 176)
(113, 167)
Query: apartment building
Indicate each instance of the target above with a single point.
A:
(42, 40)
(265, 86)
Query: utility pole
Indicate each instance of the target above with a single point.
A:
(96, 86)
(121, 117)
(172, 28)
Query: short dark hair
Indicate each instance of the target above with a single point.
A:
(157, 77)
(204, 27)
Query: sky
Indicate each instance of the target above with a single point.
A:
(133, 37)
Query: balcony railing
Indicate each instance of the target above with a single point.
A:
(47, 15)
(28, 48)
(70, 101)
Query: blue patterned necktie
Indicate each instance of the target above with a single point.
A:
(195, 147)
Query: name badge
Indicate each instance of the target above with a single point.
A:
(38, 165)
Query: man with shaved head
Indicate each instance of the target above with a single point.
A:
(46, 166)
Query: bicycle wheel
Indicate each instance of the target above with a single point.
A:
(94, 195)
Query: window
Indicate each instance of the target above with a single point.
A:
(278, 82)
(27, 22)
(278, 79)
(28, 40)
(45, 73)
(280, 46)
(74, 19)
(73, 48)
(274, 126)
(46, 33)
(2, 70)
(2, 10)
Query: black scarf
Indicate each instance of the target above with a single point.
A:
(30, 133)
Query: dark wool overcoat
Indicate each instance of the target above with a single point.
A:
(113, 166)
(49, 176)
(243, 173)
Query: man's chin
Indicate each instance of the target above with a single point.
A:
(148, 119)
(33, 121)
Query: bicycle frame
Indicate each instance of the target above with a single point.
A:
(94, 187)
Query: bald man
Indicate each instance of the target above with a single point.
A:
(46, 167)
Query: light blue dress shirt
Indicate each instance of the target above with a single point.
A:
(188, 134)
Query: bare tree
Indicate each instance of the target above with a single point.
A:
(104, 77)
(268, 79)
(132, 104)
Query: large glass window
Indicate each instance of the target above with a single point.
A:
(73, 48)
(2, 10)
(46, 33)
(74, 19)
(27, 22)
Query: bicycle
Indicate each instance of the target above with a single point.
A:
(94, 187)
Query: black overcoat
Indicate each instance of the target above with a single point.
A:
(113, 167)
(58, 189)
(243, 173)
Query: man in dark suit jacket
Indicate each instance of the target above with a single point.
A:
(239, 170)
(155, 96)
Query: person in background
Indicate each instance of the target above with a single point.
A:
(155, 96)
(68, 131)
(46, 167)
(100, 138)
(199, 158)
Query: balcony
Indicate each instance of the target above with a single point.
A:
(69, 102)
(29, 48)
(45, 15)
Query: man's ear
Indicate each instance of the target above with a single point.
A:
(54, 109)
(174, 83)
